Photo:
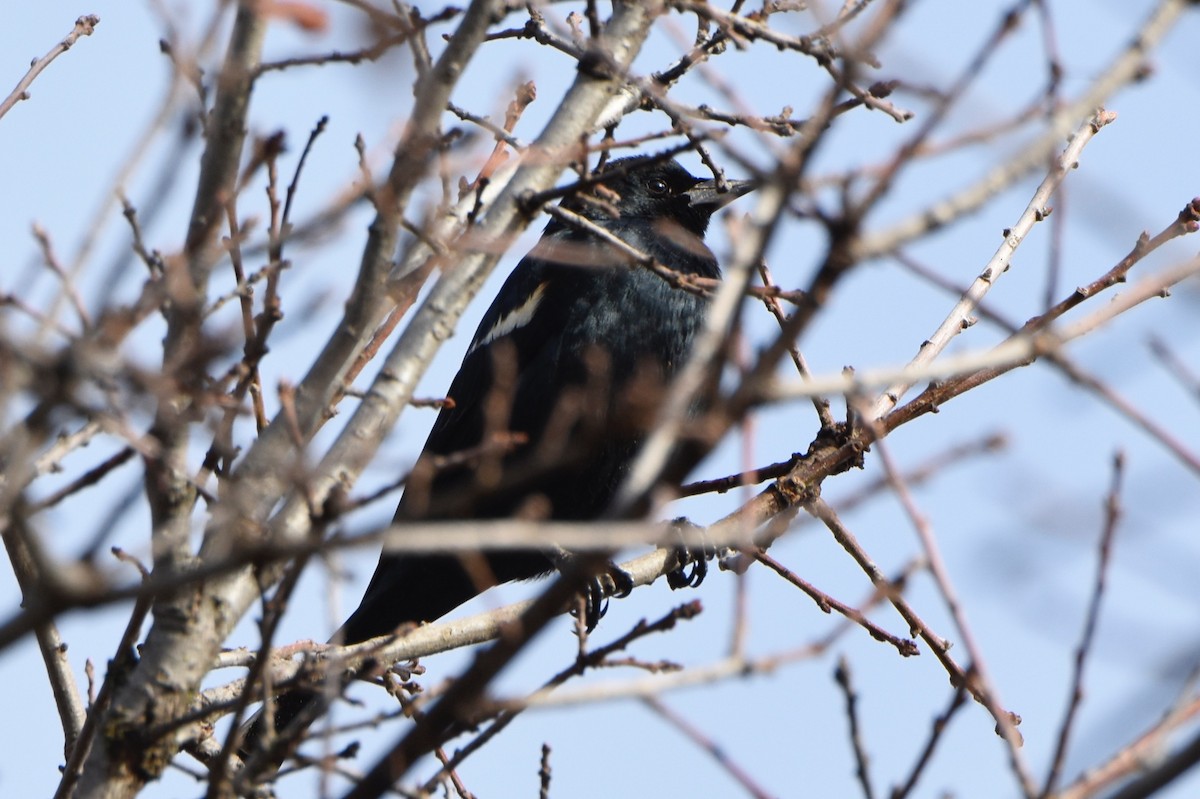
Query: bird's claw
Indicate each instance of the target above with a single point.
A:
(613, 581)
(595, 604)
(692, 562)
(621, 580)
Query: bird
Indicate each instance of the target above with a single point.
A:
(568, 362)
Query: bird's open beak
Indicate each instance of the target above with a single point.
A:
(706, 193)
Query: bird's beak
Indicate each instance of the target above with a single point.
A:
(706, 193)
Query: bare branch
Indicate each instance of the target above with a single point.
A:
(84, 26)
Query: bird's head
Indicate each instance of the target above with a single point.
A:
(643, 188)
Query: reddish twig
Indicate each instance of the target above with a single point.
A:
(985, 691)
(827, 604)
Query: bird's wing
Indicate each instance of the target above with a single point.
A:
(423, 589)
(510, 316)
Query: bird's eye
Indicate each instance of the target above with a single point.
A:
(658, 187)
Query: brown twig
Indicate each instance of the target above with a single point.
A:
(220, 776)
(674, 277)
(1035, 211)
(43, 320)
(1175, 366)
(499, 443)
(935, 737)
(119, 667)
(821, 404)
(938, 393)
(24, 561)
(68, 285)
(1132, 758)
(85, 480)
(938, 645)
(507, 712)
(372, 52)
(827, 603)
(983, 687)
(468, 689)
(1112, 515)
(544, 773)
(720, 485)
(842, 677)
(1059, 360)
(525, 94)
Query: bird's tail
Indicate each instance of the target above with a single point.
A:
(288, 707)
(402, 591)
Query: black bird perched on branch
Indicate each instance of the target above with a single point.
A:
(570, 357)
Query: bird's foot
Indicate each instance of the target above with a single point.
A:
(617, 581)
(691, 560)
(612, 581)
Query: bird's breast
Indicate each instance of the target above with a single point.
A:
(638, 319)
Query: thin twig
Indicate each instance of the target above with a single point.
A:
(935, 737)
(508, 711)
(862, 761)
(84, 26)
(1112, 515)
(544, 773)
(710, 747)
(88, 478)
(67, 699)
(983, 687)
(827, 603)
(68, 285)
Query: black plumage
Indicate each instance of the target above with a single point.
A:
(572, 354)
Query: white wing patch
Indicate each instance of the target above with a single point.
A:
(516, 318)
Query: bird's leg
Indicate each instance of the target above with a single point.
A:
(687, 554)
(612, 580)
